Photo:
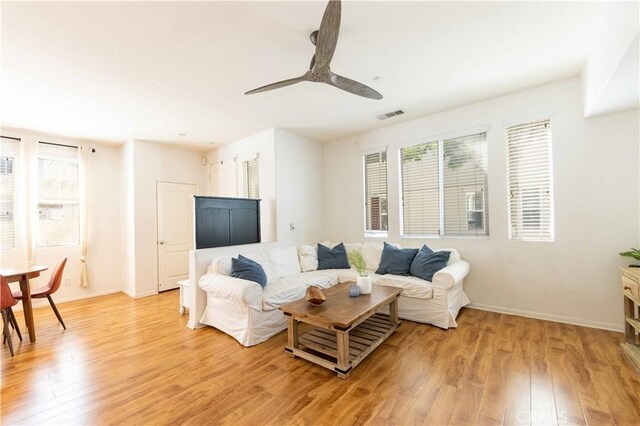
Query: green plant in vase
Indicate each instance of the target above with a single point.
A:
(634, 253)
(360, 265)
(357, 261)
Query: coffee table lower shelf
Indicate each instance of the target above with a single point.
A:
(320, 345)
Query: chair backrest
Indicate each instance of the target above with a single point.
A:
(6, 297)
(56, 277)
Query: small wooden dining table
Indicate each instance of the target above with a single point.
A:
(23, 275)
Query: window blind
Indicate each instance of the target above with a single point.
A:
(465, 185)
(530, 181)
(375, 189)
(58, 196)
(250, 169)
(420, 178)
(8, 151)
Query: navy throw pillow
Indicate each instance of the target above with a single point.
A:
(427, 263)
(395, 261)
(335, 258)
(248, 269)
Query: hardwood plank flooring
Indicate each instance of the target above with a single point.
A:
(127, 361)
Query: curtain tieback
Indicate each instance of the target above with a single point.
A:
(83, 259)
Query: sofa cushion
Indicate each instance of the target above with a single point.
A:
(221, 265)
(332, 258)
(281, 291)
(308, 256)
(453, 257)
(372, 252)
(234, 290)
(349, 247)
(283, 261)
(247, 269)
(396, 261)
(323, 278)
(413, 287)
(427, 262)
(261, 258)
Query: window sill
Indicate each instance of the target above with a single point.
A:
(368, 235)
(445, 237)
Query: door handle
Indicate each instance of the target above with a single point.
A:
(162, 242)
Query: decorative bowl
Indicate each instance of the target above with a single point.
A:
(315, 296)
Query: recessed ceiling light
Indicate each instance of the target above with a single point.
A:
(183, 134)
(378, 78)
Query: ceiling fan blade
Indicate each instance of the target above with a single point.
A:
(352, 86)
(328, 34)
(278, 85)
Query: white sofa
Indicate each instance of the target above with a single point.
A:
(250, 314)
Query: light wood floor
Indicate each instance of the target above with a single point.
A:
(125, 361)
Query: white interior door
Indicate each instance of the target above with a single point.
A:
(175, 232)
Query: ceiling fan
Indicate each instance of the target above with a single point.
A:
(325, 41)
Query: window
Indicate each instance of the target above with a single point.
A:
(530, 181)
(7, 192)
(58, 195)
(250, 178)
(375, 194)
(444, 187)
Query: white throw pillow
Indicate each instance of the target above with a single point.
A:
(221, 265)
(453, 257)
(284, 261)
(372, 252)
(308, 256)
(349, 247)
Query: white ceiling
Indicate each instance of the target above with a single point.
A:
(150, 70)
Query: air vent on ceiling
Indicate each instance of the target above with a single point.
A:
(390, 114)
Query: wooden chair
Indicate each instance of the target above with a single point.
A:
(7, 301)
(49, 289)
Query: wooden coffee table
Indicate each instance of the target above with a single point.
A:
(344, 329)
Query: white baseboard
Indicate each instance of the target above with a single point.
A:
(38, 303)
(549, 317)
(139, 295)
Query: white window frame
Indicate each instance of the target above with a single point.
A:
(38, 199)
(363, 154)
(439, 138)
(523, 120)
(14, 201)
(242, 181)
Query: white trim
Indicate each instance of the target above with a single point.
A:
(445, 136)
(550, 317)
(374, 150)
(440, 187)
(376, 234)
(539, 116)
(140, 295)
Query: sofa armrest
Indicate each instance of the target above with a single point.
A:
(236, 290)
(451, 275)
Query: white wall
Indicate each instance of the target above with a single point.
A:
(290, 175)
(299, 188)
(103, 259)
(150, 163)
(596, 172)
(263, 144)
(610, 75)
